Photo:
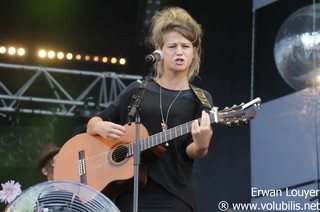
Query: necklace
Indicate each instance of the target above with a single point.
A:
(164, 124)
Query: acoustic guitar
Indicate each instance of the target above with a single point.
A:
(108, 165)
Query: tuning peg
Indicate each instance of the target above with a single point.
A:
(230, 125)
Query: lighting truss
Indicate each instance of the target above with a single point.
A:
(55, 91)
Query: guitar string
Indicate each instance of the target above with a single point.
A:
(124, 151)
(101, 156)
(92, 161)
(95, 161)
(99, 159)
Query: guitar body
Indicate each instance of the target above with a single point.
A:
(104, 166)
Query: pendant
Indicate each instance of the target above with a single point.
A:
(164, 126)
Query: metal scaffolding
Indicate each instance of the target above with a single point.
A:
(55, 91)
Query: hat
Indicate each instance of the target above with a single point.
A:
(50, 150)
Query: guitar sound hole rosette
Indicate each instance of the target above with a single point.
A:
(120, 153)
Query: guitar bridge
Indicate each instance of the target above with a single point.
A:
(82, 167)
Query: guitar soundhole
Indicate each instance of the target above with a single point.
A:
(120, 153)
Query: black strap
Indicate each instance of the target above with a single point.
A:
(200, 94)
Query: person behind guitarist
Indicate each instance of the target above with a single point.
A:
(168, 101)
(47, 160)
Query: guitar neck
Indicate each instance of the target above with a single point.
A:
(165, 136)
(161, 137)
(228, 116)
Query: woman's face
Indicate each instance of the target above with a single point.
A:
(178, 53)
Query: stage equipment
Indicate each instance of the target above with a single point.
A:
(297, 48)
(61, 196)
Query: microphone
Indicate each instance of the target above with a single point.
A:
(157, 55)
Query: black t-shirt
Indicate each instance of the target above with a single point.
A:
(173, 168)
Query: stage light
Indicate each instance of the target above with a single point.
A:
(42, 53)
(51, 54)
(69, 56)
(104, 59)
(87, 58)
(2, 49)
(95, 58)
(12, 51)
(113, 60)
(122, 61)
(21, 51)
(60, 55)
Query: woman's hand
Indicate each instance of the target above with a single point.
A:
(106, 129)
(201, 133)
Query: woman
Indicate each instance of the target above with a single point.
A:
(167, 102)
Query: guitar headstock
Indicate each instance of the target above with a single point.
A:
(237, 114)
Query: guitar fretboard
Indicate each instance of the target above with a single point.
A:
(159, 138)
(165, 136)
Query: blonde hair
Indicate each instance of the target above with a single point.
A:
(176, 19)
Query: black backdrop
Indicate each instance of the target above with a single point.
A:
(113, 28)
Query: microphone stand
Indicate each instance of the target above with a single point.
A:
(134, 110)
